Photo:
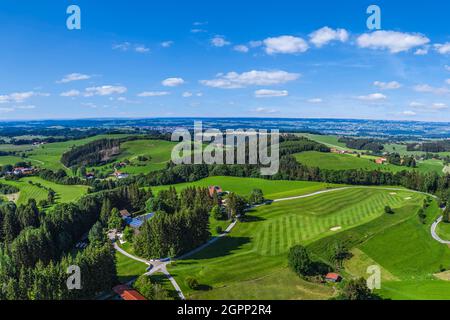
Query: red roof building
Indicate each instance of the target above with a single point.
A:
(333, 277)
(215, 189)
(127, 293)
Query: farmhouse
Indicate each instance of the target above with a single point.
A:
(124, 213)
(380, 160)
(120, 175)
(137, 222)
(333, 277)
(90, 175)
(127, 293)
(22, 171)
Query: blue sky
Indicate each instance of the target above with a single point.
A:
(225, 59)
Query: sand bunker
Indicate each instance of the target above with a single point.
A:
(393, 193)
(408, 198)
(336, 228)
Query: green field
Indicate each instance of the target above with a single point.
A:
(443, 230)
(128, 269)
(159, 152)
(334, 161)
(64, 193)
(329, 141)
(272, 189)
(241, 265)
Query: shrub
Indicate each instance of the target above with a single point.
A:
(299, 260)
(192, 283)
(219, 229)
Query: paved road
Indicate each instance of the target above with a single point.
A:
(130, 255)
(434, 234)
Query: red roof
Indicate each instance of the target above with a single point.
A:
(333, 276)
(213, 189)
(127, 293)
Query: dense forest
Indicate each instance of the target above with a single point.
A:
(363, 144)
(181, 223)
(434, 146)
(37, 246)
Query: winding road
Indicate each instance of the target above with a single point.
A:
(434, 234)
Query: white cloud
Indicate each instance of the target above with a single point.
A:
(219, 41)
(255, 44)
(421, 51)
(447, 81)
(6, 110)
(173, 82)
(187, 94)
(433, 107)
(104, 91)
(234, 80)
(241, 48)
(439, 106)
(20, 96)
(443, 48)
(315, 100)
(447, 68)
(408, 113)
(393, 41)
(74, 77)
(425, 88)
(197, 30)
(373, 97)
(124, 46)
(153, 94)
(265, 110)
(70, 93)
(167, 44)
(387, 85)
(266, 93)
(141, 49)
(325, 35)
(285, 44)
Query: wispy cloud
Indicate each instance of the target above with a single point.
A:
(219, 41)
(74, 77)
(70, 93)
(266, 93)
(234, 80)
(387, 85)
(104, 90)
(173, 82)
(373, 97)
(153, 94)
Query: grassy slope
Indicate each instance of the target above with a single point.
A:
(272, 189)
(402, 247)
(49, 155)
(344, 162)
(256, 250)
(158, 150)
(64, 193)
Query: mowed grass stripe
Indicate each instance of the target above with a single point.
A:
(337, 210)
(258, 248)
